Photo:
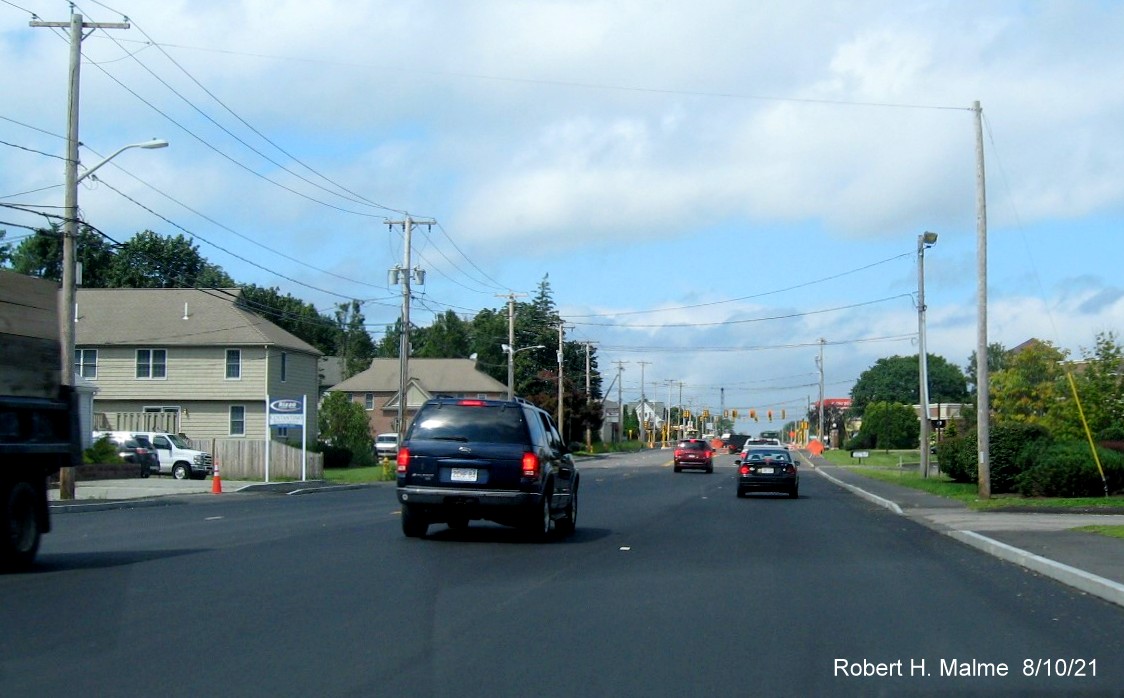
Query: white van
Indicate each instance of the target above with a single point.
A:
(178, 458)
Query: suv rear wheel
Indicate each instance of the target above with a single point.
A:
(414, 524)
(569, 521)
(538, 519)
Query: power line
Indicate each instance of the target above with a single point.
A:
(750, 297)
(235, 232)
(33, 150)
(585, 85)
(746, 321)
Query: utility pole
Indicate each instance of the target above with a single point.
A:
(819, 362)
(561, 332)
(588, 432)
(620, 401)
(70, 212)
(510, 341)
(643, 402)
(404, 275)
(983, 399)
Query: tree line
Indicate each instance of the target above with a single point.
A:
(150, 260)
(1049, 415)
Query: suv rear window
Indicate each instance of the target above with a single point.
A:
(470, 423)
(692, 445)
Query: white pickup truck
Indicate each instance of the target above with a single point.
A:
(177, 457)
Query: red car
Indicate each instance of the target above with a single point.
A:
(694, 453)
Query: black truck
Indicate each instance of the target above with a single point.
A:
(39, 432)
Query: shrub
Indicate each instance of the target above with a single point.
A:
(101, 451)
(1012, 447)
(1067, 469)
(957, 457)
(334, 456)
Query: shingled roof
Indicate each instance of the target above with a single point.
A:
(433, 375)
(175, 317)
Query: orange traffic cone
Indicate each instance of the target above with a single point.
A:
(216, 481)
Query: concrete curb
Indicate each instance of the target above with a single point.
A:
(880, 501)
(1079, 579)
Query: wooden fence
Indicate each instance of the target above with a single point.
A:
(244, 459)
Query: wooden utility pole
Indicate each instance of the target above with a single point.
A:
(70, 212)
(404, 275)
(983, 403)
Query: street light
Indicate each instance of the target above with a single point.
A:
(924, 241)
(511, 365)
(147, 145)
(70, 258)
(69, 250)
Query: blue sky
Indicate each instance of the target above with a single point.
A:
(683, 171)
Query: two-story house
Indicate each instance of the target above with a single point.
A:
(377, 387)
(195, 354)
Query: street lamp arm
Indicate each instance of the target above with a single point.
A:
(155, 143)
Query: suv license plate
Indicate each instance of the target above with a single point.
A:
(463, 475)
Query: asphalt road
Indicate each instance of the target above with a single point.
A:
(671, 586)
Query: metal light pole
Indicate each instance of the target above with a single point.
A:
(511, 365)
(924, 241)
(70, 250)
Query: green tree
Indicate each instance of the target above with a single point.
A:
(1100, 387)
(996, 361)
(292, 314)
(149, 260)
(896, 379)
(343, 424)
(41, 255)
(1030, 386)
(888, 425)
(5, 249)
(447, 338)
(353, 342)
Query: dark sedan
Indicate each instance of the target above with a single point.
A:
(767, 469)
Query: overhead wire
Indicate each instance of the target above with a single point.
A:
(357, 197)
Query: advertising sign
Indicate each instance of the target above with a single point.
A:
(286, 412)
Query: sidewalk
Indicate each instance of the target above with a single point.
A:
(1042, 542)
(129, 492)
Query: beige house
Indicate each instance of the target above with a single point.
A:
(377, 387)
(195, 355)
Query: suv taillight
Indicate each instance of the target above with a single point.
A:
(530, 465)
(678, 452)
(471, 403)
(403, 460)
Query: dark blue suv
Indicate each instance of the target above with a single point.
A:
(497, 460)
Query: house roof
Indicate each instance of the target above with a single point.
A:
(175, 317)
(433, 375)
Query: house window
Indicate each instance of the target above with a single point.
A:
(237, 420)
(369, 401)
(284, 365)
(86, 362)
(233, 364)
(152, 363)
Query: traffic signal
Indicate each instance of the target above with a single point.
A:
(735, 413)
(782, 414)
(753, 414)
(770, 413)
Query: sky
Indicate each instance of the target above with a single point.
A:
(715, 190)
